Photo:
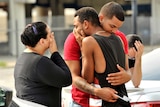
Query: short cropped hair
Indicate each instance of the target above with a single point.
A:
(132, 38)
(113, 9)
(33, 33)
(89, 14)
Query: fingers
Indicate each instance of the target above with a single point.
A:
(112, 100)
(114, 80)
(76, 34)
(107, 94)
(82, 33)
(120, 68)
(139, 45)
(52, 45)
(113, 95)
(52, 34)
(118, 77)
(52, 37)
(117, 73)
(113, 76)
(140, 49)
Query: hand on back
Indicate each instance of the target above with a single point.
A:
(118, 78)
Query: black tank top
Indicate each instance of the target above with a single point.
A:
(114, 54)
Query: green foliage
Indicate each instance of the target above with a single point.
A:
(3, 64)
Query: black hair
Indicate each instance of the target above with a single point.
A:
(89, 14)
(33, 33)
(113, 9)
(131, 40)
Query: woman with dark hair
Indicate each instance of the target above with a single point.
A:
(135, 51)
(38, 78)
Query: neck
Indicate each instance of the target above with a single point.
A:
(29, 50)
(103, 33)
(33, 50)
(98, 29)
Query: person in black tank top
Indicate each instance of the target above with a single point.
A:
(113, 53)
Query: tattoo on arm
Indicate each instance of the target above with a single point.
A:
(83, 85)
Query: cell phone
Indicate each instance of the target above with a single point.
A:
(123, 97)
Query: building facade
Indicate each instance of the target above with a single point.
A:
(59, 15)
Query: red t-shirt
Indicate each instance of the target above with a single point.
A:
(124, 40)
(71, 48)
(72, 52)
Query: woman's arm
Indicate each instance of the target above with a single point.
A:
(54, 71)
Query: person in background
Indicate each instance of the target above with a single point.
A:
(135, 52)
(38, 78)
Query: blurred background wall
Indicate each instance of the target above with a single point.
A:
(141, 17)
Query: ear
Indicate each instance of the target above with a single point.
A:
(101, 18)
(41, 41)
(85, 24)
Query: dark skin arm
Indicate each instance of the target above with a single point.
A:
(88, 66)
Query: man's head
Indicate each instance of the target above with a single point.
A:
(111, 16)
(85, 18)
(34, 33)
(132, 38)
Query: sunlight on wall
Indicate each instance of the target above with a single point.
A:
(3, 26)
(69, 15)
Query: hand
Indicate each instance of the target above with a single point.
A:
(118, 78)
(79, 35)
(140, 49)
(53, 45)
(107, 94)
